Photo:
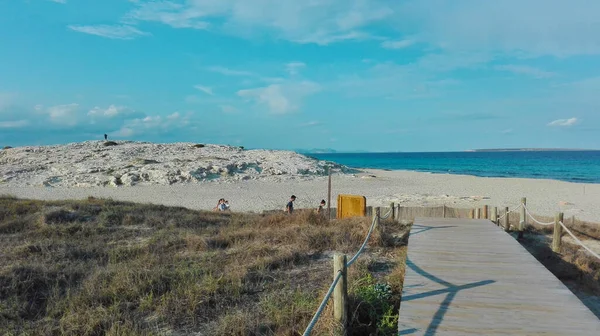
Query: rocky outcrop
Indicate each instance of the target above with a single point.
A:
(92, 163)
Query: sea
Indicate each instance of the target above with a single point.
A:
(570, 166)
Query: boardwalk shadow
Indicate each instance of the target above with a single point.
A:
(451, 291)
(424, 228)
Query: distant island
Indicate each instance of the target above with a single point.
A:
(531, 150)
(316, 151)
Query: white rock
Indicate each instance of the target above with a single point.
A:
(131, 163)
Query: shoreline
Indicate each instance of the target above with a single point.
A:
(409, 188)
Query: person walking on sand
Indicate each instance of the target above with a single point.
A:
(321, 206)
(289, 208)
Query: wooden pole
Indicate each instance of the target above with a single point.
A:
(506, 219)
(393, 210)
(523, 217)
(495, 215)
(477, 213)
(340, 292)
(329, 196)
(472, 214)
(398, 213)
(556, 235)
(444, 211)
(485, 212)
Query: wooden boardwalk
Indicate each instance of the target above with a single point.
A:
(468, 277)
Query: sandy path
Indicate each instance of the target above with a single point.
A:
(545, 197)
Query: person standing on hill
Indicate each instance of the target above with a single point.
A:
(289, 208)
(105, 136)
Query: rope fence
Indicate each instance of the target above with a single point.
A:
(556, 245)
(376, 218)
(534, 219)
(511, 211)
(578, 241)
(399, 212)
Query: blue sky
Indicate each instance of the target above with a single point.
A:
(417, 75)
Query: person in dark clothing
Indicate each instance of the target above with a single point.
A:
(105, 136)
(289, 208)
(321, 206)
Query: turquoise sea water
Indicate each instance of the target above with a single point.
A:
(571, 166)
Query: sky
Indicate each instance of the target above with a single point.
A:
(351, 75)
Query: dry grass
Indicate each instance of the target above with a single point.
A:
(100, 267)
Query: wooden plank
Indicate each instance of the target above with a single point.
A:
(469, 277)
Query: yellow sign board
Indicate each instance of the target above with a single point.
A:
(351, 206)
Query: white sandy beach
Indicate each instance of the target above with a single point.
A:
(196, 176)
(544, 197)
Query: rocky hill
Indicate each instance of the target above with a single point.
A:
(99, 163)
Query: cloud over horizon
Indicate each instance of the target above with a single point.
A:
(256, 71)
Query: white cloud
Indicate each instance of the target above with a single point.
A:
(397, 44)
(525, 28)
(281, 98)
(320, 22)
(310, 124)
(154, 124)
(174, 116)
(64, 114)
(564, 122)
(120, 32)
(204, 89)
(169, 13)
(14, 124)
(123, 132)
(38, 107)
(393, 81)
(530, 28)
(59, 1)
(109, 112)
(525, 70)
(294, 67)
(229, 72)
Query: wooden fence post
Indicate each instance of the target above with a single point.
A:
(444, 211)
(523, 217)
(329, 195)
(506, 219)
(393, 210)
(398, 213)
(369, 211)
(556, 235)
(485, 212)
(495, 215)
(472, 214)
(340, 292)
(477, 213)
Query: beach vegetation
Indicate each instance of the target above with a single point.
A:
(103, 267)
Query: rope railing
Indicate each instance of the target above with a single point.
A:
(552, 223)
(386, 216)
(315, 318)
(364, 244)
(319, 311)
(510, 211)
(534, 219)
(578, 241)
